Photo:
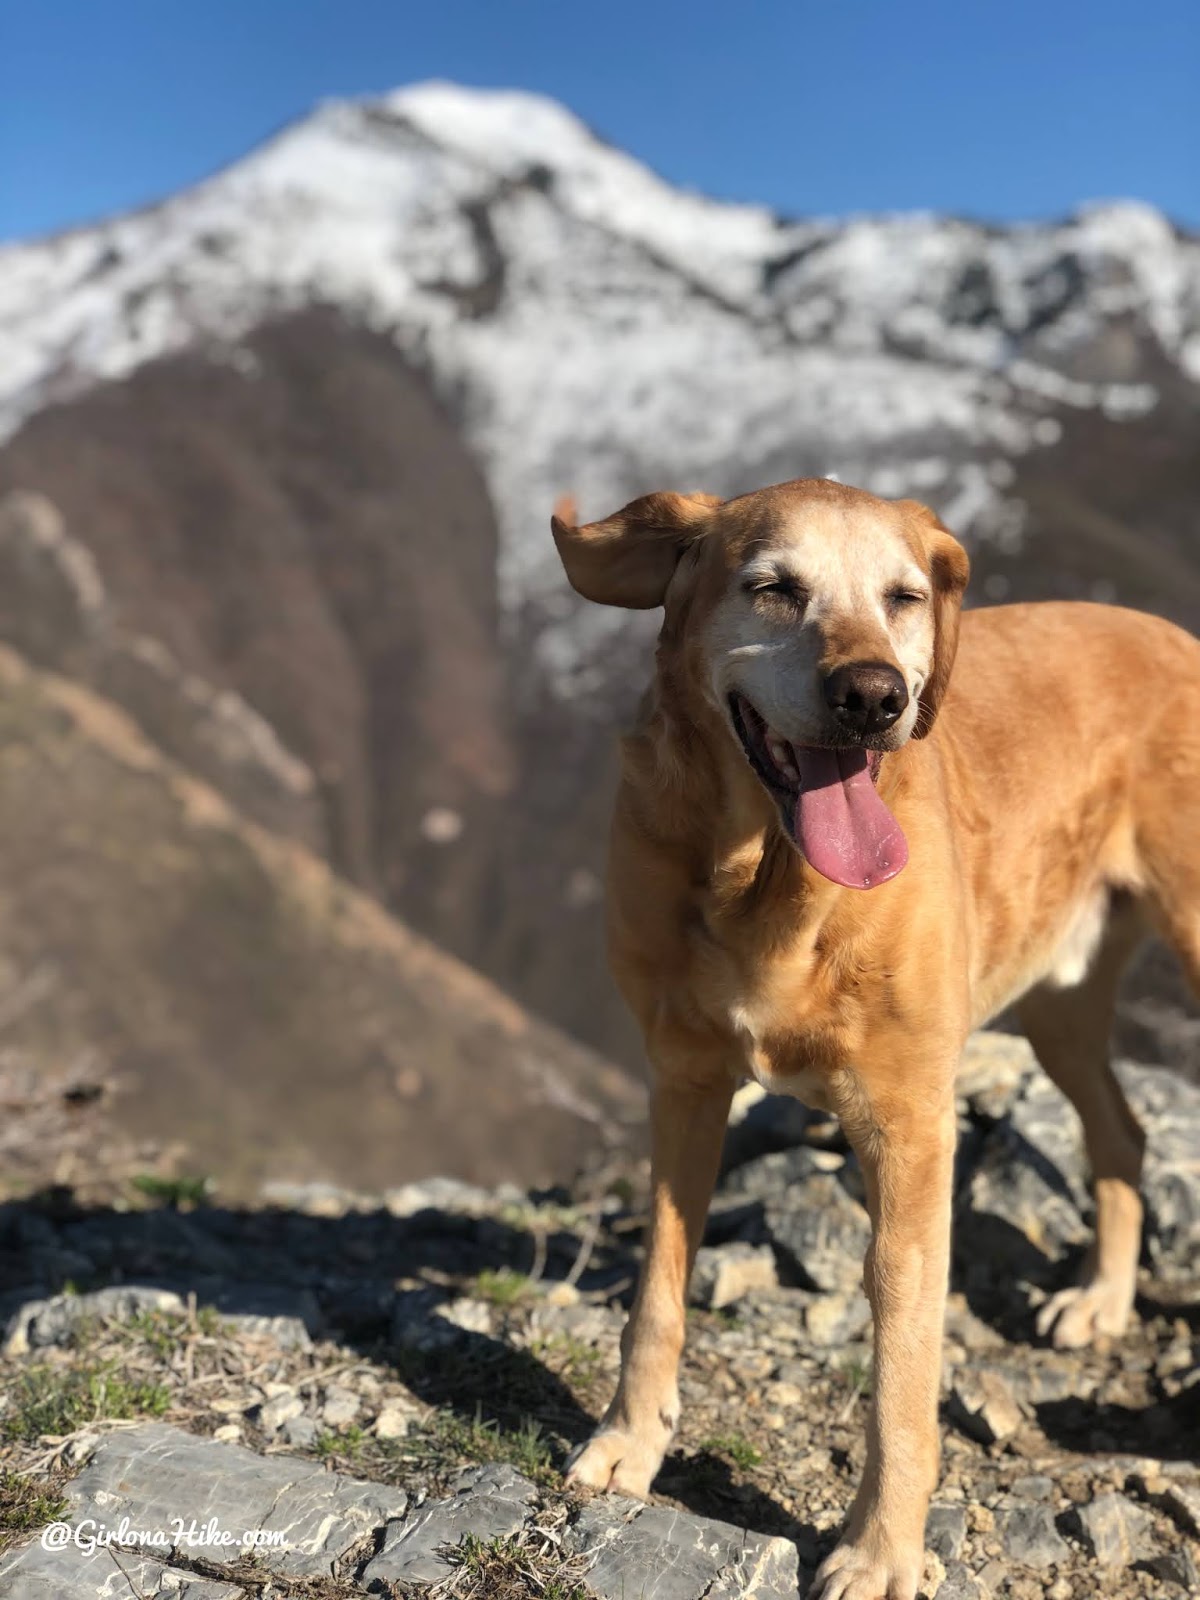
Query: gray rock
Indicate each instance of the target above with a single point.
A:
(1030, 1173)
(965, 1328)
(637, 1552)
(946, 1530)
(1179, 1567)
(341, 1406)
(992, 1577)
(396, 1419)
(1182, 1501)
(762, 1569)
(725, 1273)
(316, 1199)
(446, 1194)
(983, 1405)
(288, 1316)
(1178, 1366)
(1030, 1170)
(815, 1225)
(837, 1319)
(73, 1574)
(1035, 1487)
(1041, 1384)
(300, 1432)
(289, 1333)
(39, 1323)
(1029, 1535)
(489, 1503)
(643, 1552)
(273, 1413)
(990, 1074)
(1168, 1107)
(285, 1315)
(1114, 1529)
(960, 1583)
(155, 1475)
(593, 1324)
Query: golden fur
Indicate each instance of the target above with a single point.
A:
(1045, 774)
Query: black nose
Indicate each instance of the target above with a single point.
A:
(865, 696)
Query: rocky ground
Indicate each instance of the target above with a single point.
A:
(390, 1385)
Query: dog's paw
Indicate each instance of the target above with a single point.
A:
(869, 1570)
(1077, 1317)
(617, 1460)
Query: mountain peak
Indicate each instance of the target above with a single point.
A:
(506, 128)
(595, 327)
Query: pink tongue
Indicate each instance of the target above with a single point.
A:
(843, 827)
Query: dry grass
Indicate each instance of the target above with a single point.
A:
(530, 1565)
(26, 1504)
(255, 1578)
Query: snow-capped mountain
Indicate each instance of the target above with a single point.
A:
(306, 422)
(595, 329)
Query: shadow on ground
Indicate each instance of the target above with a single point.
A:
(339, 1276)
(377, 1283)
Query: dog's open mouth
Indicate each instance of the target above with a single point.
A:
(827, 799)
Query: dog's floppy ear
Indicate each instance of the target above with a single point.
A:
(628, 559)
(949, 569)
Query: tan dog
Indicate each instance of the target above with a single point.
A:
(1014, 824)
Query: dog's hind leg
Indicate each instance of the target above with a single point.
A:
(1173, 898)
(1069, 1029)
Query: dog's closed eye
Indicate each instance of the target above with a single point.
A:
(904, 599)
(780, 589)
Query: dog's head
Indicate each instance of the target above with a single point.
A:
(818, 620)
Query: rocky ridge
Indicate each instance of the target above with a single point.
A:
(394, 1387)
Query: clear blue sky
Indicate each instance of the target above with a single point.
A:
(998, 110)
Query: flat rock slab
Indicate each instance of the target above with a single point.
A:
(175, 1488)
(644, 1552)
(53, 1575)
(174, 1484)
(638, 1552)
(489, 1503)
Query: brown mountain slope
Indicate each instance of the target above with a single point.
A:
(304, 526)
(298, 522)
(276, 1020)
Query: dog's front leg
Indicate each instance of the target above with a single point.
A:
(905, 1142)
(627, 1449)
